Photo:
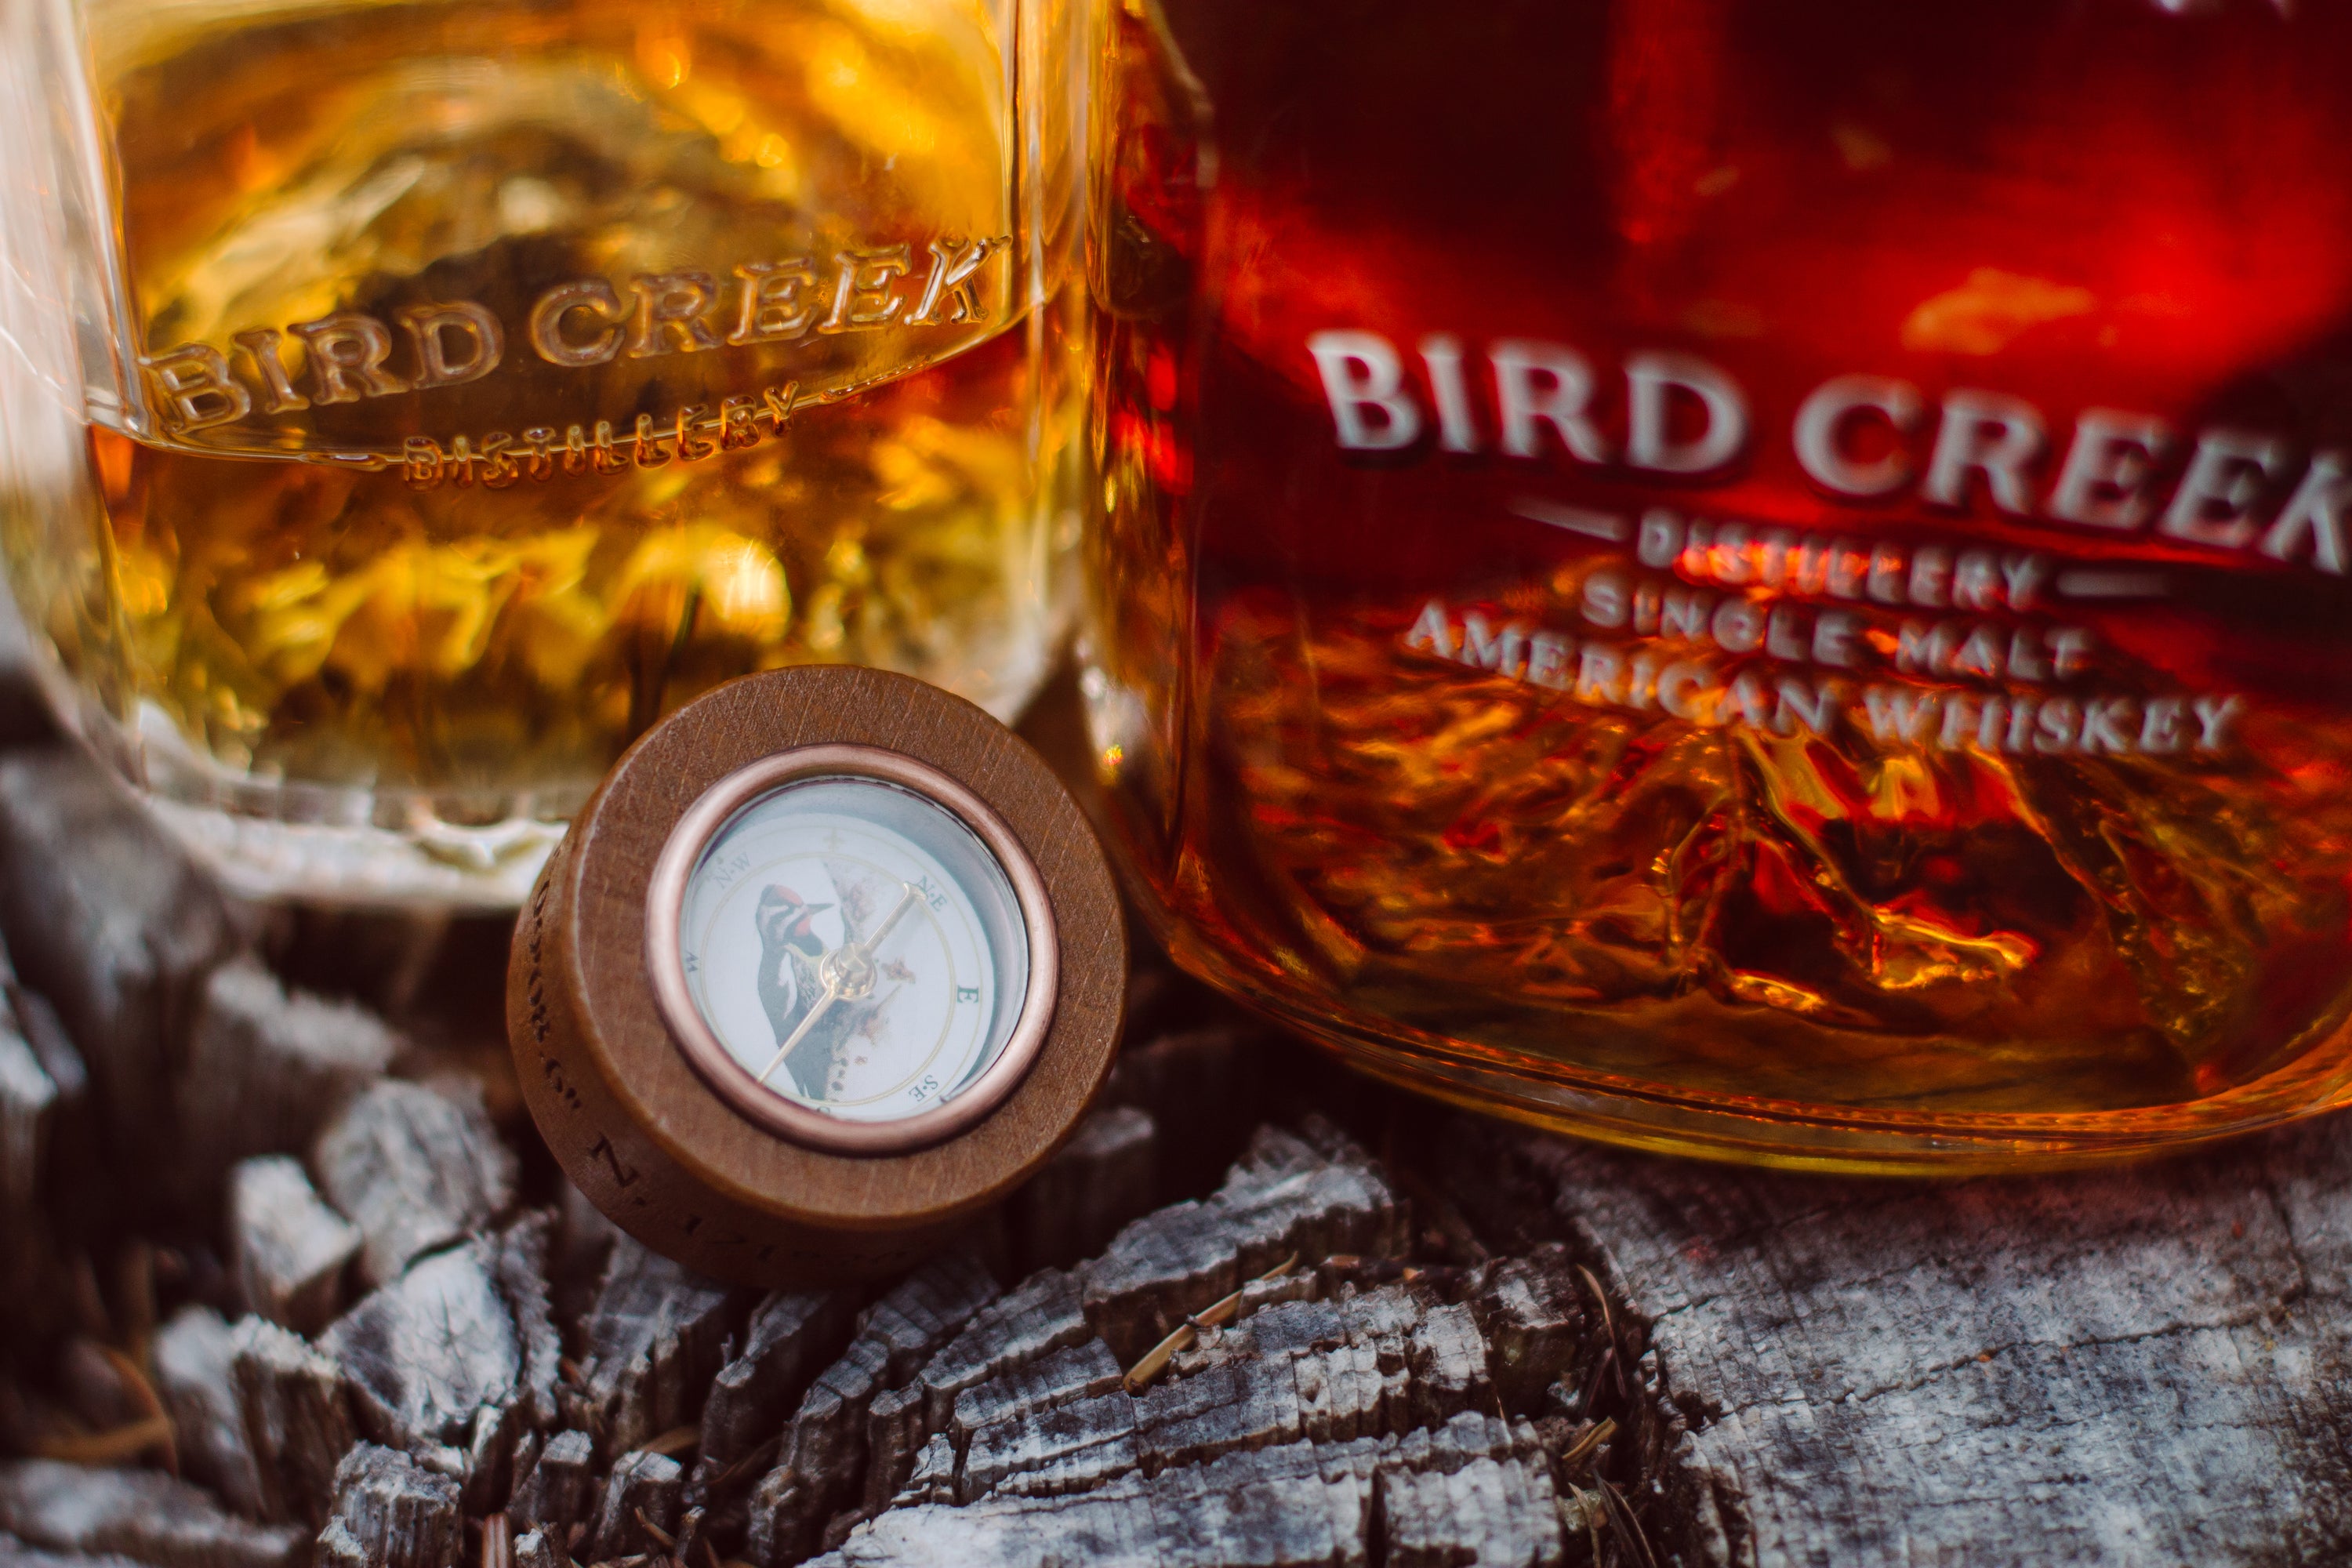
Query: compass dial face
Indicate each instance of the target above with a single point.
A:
(855, 947)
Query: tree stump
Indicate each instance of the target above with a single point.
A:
(1258, 1313)
(2147, 1364)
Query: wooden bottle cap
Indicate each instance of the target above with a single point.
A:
(829, 961)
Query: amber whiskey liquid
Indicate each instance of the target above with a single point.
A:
(502, 376)
(1761, 578)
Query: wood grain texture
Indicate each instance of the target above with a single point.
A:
(822, 1450)
(647, 1140)
(454, 1361)
(2146, 1365)
(1073, 1208)
(194, 1367)
(390, 1512)
(414, 1169)
(288, 1249)
(560, 1488)
(143, 1515)
(297, 1418)
(1284, 1197)
(792, 1336)
(268, 1067)
(2142, 1365)
(649, 1348)
(643, 1490)
(108, 921)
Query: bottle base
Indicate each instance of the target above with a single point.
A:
(1657, 1119)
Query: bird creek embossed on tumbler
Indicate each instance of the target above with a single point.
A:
(410, 402)
(1762, 578)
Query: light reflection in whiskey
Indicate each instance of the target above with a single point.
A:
(1624, 600)
(519, 370)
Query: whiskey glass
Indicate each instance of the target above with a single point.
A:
(1756, 577)
(405, 402)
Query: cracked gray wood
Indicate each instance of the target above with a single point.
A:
(1438, 1344)
(1285, 1507)
(1086, 1370)
(29, 1100)
(642, 1489)
(791, 1335)
(656, 1336)
(68, 1183)
(1537, 1314)
(390, 1512)
(1304, 1371)
(1284, 1196)
(140, 1514)
(107, 918)
(560, 1486)
(268, 1069)
(297, 1418)
(821, 1461)
(1041, 1316)
(289, 1250)
(414, 1168)
(932, 1477)
(15, 1554)
(1497, 1514)
(194, 1364)
(2141, 1365)
(457, 1358)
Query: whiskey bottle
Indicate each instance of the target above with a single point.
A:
(1765, 578)
(421, 398)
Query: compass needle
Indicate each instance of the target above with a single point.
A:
(906, 902)
(831, 992)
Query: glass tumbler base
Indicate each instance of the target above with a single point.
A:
(338, 845)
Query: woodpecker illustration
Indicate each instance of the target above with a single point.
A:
(793, 976)
(789, 982)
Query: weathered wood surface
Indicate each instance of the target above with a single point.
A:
(2147, 1366)
(414, 1168)
(29, 1101)
(390, 1512)
(298, 1421)
(195, 1362)
(1105, 1173)
(792, 1334)
(656, 1336)
(821, 1452)
(290, 1249)
(268, 1069)
(1299, 1503)
(643, 1494)
(1284, 1199)
(145, 1515)
(1425, 1340)
(106, 920)
(457, 1359)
